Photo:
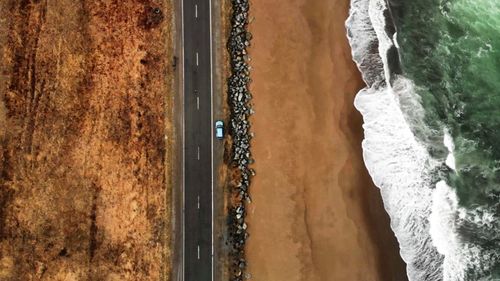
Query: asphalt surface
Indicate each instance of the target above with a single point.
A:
(198, 256)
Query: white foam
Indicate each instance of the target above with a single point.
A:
(448, 142)
(399, 166)
(464, 260)
(443, 230)
(426, 219)
(397, 162)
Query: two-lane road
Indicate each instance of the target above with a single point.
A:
(198, 138)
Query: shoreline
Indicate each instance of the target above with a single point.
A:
(312, 208)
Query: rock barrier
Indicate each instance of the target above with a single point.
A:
(239, 128)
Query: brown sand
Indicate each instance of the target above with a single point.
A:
(84, 105)
(315, 213)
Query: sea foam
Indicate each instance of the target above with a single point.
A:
(426, 217)
(398, 163)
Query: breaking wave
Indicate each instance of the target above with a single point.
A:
(397, 162)
(425, 213)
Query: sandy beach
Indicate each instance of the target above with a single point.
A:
(315, 214)
(84, 162)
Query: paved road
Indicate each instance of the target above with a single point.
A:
(198, 241)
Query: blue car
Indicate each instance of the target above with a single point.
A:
(219, 129)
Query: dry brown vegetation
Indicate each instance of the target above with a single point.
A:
(85, 105)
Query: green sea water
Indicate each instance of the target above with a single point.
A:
(451, 51)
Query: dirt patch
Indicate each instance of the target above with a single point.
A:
(85, 107)
(315, 214)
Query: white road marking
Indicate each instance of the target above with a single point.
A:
(198, 251)
(183, 226)
(196, 11)
(198, 153)
(183, 133)
(198, 201)
(197, 60)
(211, 136)
(198, 103)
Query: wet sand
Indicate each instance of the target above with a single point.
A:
(84, 162)
(315, 214)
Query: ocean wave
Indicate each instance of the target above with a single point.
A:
(439, 239)
(398, 163)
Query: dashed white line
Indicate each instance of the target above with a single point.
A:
(198, 103)
(198, 153)
(197, 60)
(198, 251)
(198, 202)
(196, 11)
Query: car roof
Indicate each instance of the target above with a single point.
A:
(218, 122)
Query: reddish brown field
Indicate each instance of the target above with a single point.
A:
(85, 104)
